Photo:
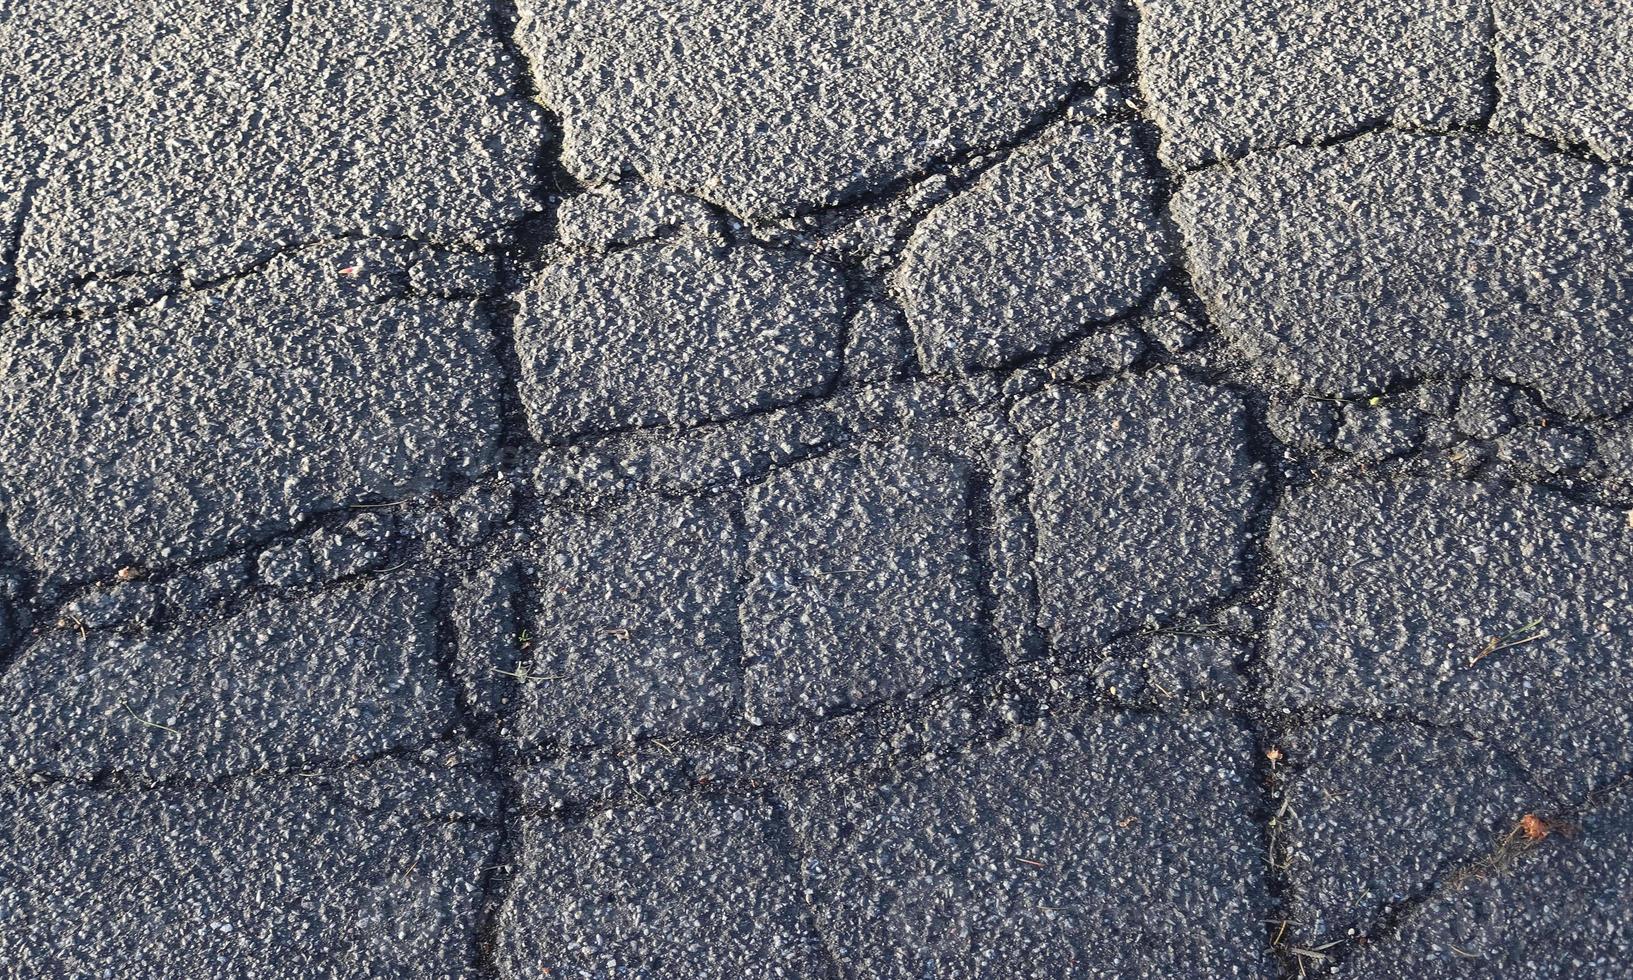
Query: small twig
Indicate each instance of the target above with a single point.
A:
(1318, 953)
(524, 675)
(1180, 631)
(1512, 638)
(144, 721)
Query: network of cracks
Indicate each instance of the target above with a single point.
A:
(891, 490)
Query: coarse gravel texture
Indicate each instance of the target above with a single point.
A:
(88, 880)
(675, 334)
(1565, 73)
(793, 106)
(1056, 238)
(1226, 78)
(627, 617)
(200, 424)
(505, 489)
(919, 874)
(174, 143)
(1502, 612)
(1142, 495)
(1553, 907)
(702, 888)
(861, 582)
(1376, 811)
(335, 677)
(1508, 261)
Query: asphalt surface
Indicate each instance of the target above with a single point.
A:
(910, 489)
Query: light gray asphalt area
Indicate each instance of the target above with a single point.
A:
(504, 489)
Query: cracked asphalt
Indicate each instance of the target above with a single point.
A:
(500, 489)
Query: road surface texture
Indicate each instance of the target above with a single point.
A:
(517, 489)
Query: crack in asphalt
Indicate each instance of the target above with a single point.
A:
(798, 855)
(112, 782)
(526, 244)
(1504, 855)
